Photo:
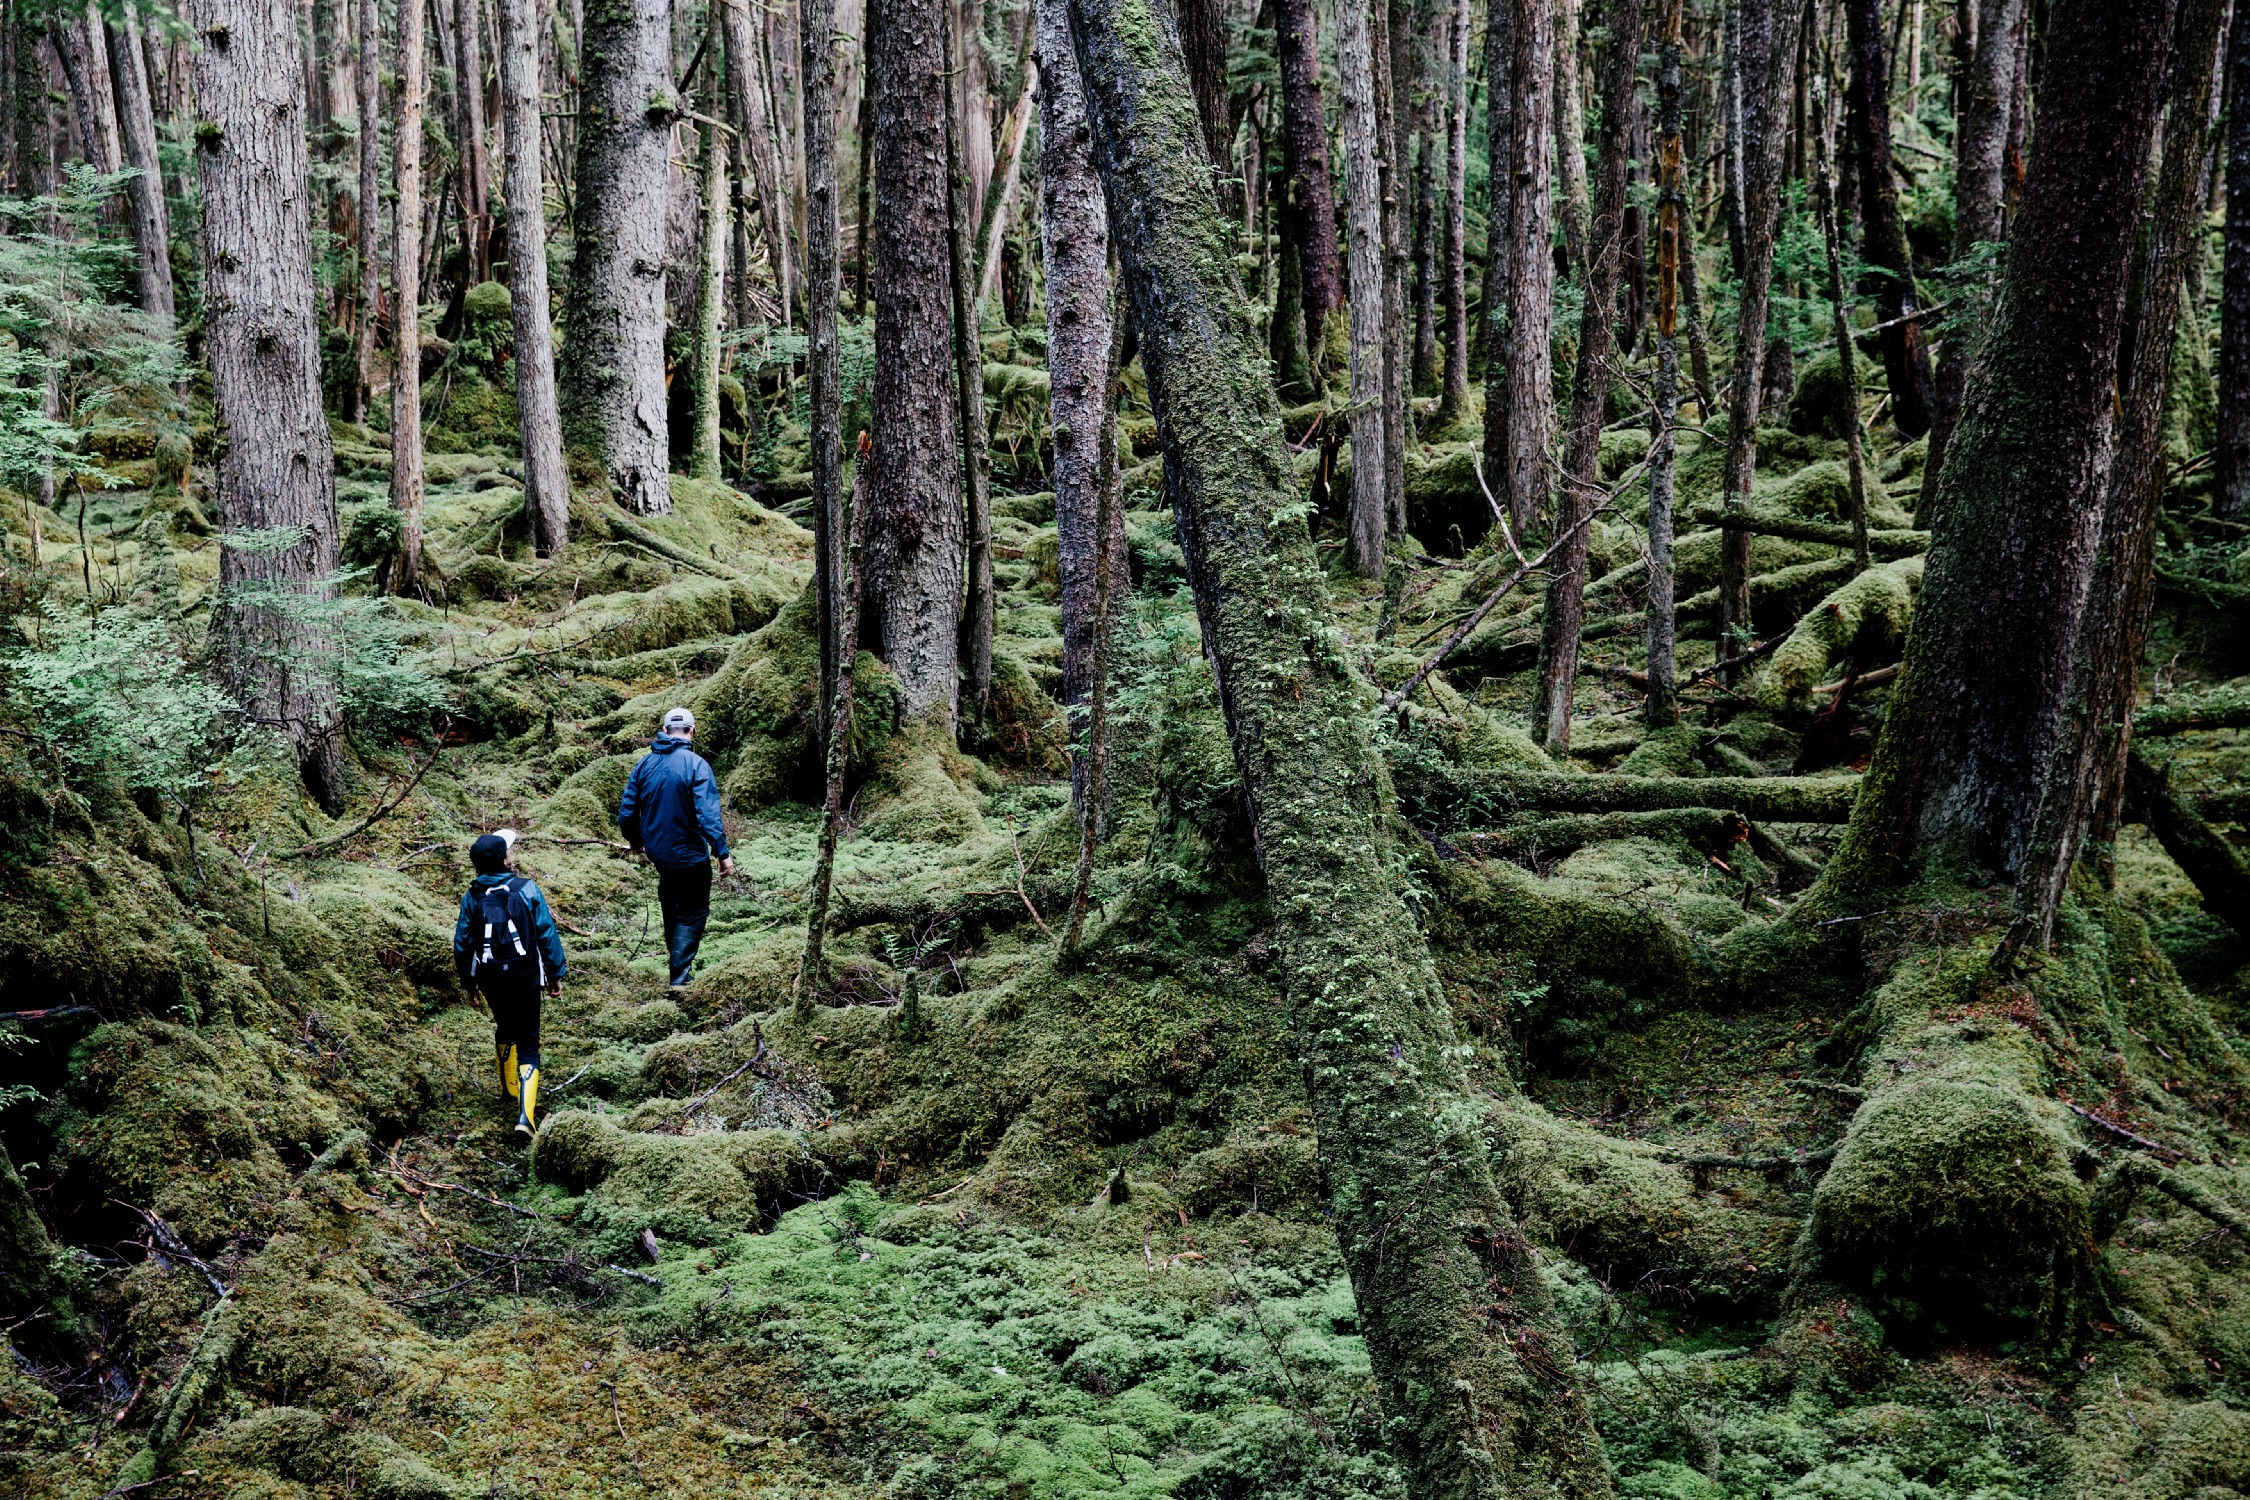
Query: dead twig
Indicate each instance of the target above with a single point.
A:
(1017, 844)
(369, 821)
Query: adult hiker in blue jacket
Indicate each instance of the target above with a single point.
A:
(506, 948)
(670, 811)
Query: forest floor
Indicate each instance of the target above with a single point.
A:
(991, 1223)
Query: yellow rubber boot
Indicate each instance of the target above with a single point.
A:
(507, 1057)
(527, 1085)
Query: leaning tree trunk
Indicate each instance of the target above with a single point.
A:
(1597, 342)
(2232, 498)
(1762, 187)
(546, 484)
(1364, 232)
(1453, 389)
(1956, 777)
(612, 371)
(1479, 1391)
(1074, 242)
(136, 123)
(406, 277)
(816, 49)
(976, 452)
(1982, 140)
(276, 488)
(1308, 203)
(912, 566)
(370, 197)
(2096, 726)
(1906, 355)
(1520, 284)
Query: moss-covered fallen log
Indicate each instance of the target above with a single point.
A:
(2204, 854)
(1456, 796)
(1883, 544)
(2223, 710)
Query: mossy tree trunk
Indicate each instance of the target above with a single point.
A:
(1906, 354)
(1663, 702)
(1520, 279)
(711, 235)
(1363, 237)
(2232, 499)
(369, 269)
(277, 469)
(816, 46)
(1580, 489)
(85, 59)
(913, 566)
(1413, 51)
(476, 166)
(406, 276)
(753, 116)
(1575, 204)
(612, 369)
(1453, 385)
(1308, 196)
(546, 484)
(1480, 1395)
(968, 394)
(136, 129)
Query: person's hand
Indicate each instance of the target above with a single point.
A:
(554, 989)
(726, 867)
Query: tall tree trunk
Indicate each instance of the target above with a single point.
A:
(1671, 203)
(2095, 729)
(1448, 1295)
(1393, 129)
(1956, 776)
(1418, 117)
(1203, 38)
(1982, 141)
(710, 272)
(1308, 204)
(612, 370)
(914, 529)
(136, 115)
(546, 484)
(865, 187)
(277, 470)
(1761, 213)
(406, 277)
(1519, 402)
(1453, 390)
(1597, 343)
(1906, 354)
(2232, 498)
(1576, 204)
(976, 452)
(476, 168)
(369, 268)
(754, 116)
(824, 397)
(85, 60)
(1364, 221)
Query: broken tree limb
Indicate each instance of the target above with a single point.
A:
(1454, 794)
(2203, 854)
(1883, 544)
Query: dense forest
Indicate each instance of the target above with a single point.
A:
(1471, 748)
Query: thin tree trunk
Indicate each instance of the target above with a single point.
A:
(370, 275)
(812, 971)
(1392, 129)
(1074, 244)
(816, 46)
(1761, 213)
(1663, 698)
(1982, 139)
(152, 230)
(992, 228)
(1906, 354)
(710, 276)
(611, 375)
(1308, 204)
(1597, 343)
(2095, 729)
(1847, 357)
(1520, 288)
(914, 531)
(1449, 1298)
(276, 475)
(1736, 127)
(546, 484)
(754, 115)
(1575, 206)
(85, 60)
(2231, 498)
(476, 168)
(1453, 391)
(406, 276)
(1956, 776)
(1418, 117)
(976, 452)
(1363, 215)
(866, 183)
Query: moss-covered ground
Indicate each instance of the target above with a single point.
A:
(994, 1223)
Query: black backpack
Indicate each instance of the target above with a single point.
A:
(502, 947)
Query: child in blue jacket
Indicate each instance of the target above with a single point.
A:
(506, 949)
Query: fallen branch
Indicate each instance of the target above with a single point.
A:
(2111, 1127)
(2229, 710)
(1887, 545)
(758, 1055)
(641, 536)
(171, 1244)
(369, 821)
(1775, 799)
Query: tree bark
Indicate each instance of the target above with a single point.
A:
(1597, 342)
(1662, 708)
(611, 375)
(1478, 1386)
(1978, 177)
(1453, 390)
(1308, 204)
(85, 60)
(476, 165)
(1847, 355)
(1762, 187)
(914, 529)
(712, 231)
(754, 117)
(1576, 205)
(998, 202)
(2096, 724)
(276, 471)
(976, 453)
(816, 47)
(369, 266)
(1364, 233)
(1203, 38)
(1906, 355)
(1520, 286)
(1955, 782)
(406, 277)
(1074, 242)
(1419, 118)
(546, 483)
(136, 114)
(1393, 129)
(2232, 497)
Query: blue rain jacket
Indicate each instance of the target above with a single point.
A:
(543, 929)
(671, 806)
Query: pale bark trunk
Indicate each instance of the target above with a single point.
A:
(1519, 410)
(612, 369)
(276, 471)
(1576, 205)
(85, 59)
(370, 203)
(546, 483)
(152, 230)
(1449, 1298)
(1308, 205)
(915, 527)
(816, 43)
(406, 277)
(754, 116)
(1453, 393)
(1363, 217)
(976, 452)
(1419, 213)
(1001, 200)
(1662, 709)
(1597, 342)
(710, 278)
(476, 168)
(1394, 130)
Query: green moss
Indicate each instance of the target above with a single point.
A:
(1858, 627)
